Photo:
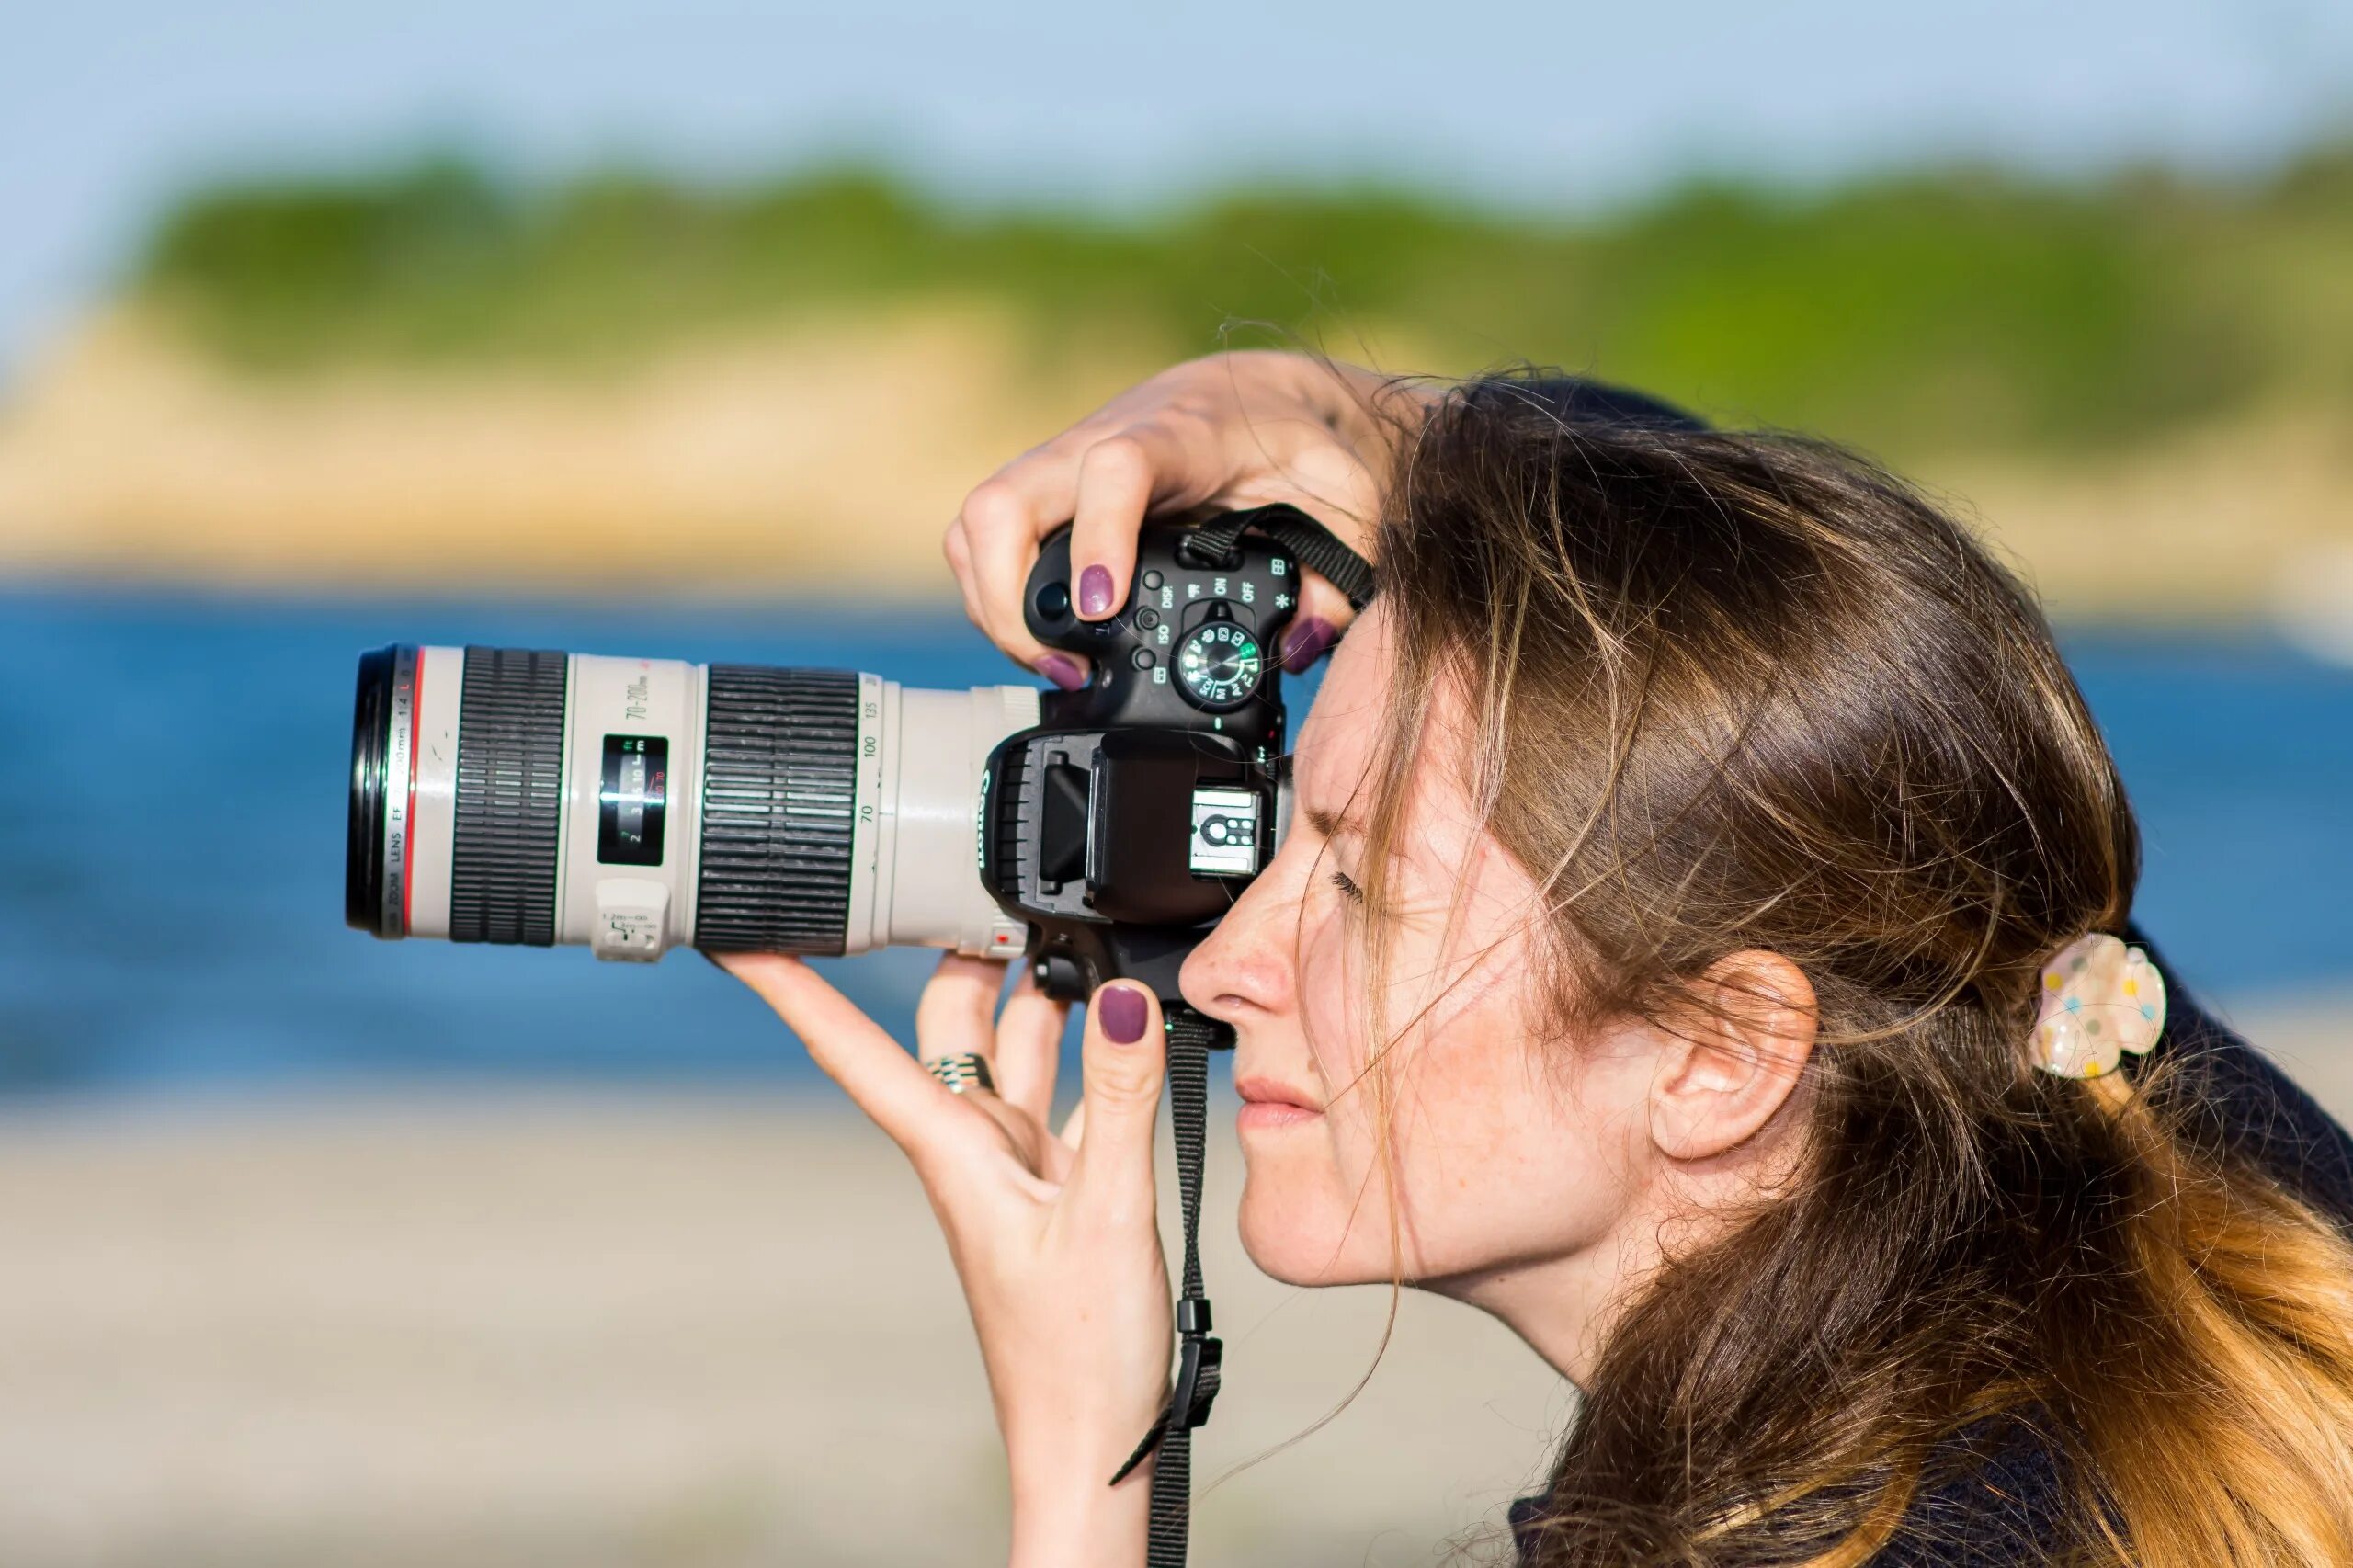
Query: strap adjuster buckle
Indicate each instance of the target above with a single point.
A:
(1198, 1365)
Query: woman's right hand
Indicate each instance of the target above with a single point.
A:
(1240, 430)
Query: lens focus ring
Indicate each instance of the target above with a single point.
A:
(510, 798)
(779, 804)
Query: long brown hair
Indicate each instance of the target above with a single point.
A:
(1742, 691)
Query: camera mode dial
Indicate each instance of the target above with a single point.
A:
(1219, 665)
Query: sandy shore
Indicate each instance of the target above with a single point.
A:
(645, 1329)
(830, 456)
(655, 1330)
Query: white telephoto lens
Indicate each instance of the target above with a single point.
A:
(635, 805)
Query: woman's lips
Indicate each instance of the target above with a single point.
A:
(1266, 1103)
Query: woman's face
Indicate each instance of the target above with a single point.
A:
(1508, 1152)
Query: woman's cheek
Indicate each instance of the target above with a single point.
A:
(1300, 1207)
(1331, 1001)
(1462, 1087)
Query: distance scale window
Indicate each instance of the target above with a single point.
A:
(633, 800)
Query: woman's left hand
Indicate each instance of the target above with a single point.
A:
(1056, 1238)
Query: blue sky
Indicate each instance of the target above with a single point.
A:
(107, 107)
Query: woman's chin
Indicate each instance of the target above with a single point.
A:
(1292, 1247)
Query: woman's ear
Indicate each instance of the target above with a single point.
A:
(1725, 1071)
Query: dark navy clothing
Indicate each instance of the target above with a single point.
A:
(2245, 1102)
(1575, 399)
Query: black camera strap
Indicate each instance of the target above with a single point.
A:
(1191, 1037)
(1317, 547)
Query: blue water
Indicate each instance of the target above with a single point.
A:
(172, 784)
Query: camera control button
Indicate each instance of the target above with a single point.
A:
(1146, 620)
(1151, 580)
(632, 917)
(1142, 659)
(1053, 601)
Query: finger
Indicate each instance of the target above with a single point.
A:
(1075, 1127)
(1004, 521)
(1118, 479)
(1329, 485)
(1029, 1048)
(1313, 473)
(953, 1015)
(1323, 613)
(1125, 1059)
(887, 1083)
(957, 546)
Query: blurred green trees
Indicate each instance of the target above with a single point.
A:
(1956, 310)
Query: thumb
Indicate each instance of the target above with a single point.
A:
(1125, 1058)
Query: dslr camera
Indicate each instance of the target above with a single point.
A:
(638, 805)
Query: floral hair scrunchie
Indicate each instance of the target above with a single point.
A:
(2100, 998)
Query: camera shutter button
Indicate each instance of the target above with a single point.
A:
(1053, 601)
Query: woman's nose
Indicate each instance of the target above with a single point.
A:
(1246, 965)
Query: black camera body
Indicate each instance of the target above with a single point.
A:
(1125, 823)
(635, 805)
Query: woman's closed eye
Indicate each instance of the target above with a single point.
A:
(1347, 886)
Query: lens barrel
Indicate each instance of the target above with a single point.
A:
(527, 797)
(779, 788)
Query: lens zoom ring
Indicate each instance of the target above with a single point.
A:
(779, 787)
(510, 798)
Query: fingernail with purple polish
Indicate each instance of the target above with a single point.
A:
(1094, 591)
(1063, 672)
(1305, 643)
(1122, 1011)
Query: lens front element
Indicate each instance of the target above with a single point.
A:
(371, 737)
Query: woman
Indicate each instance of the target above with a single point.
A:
(1693, 847)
